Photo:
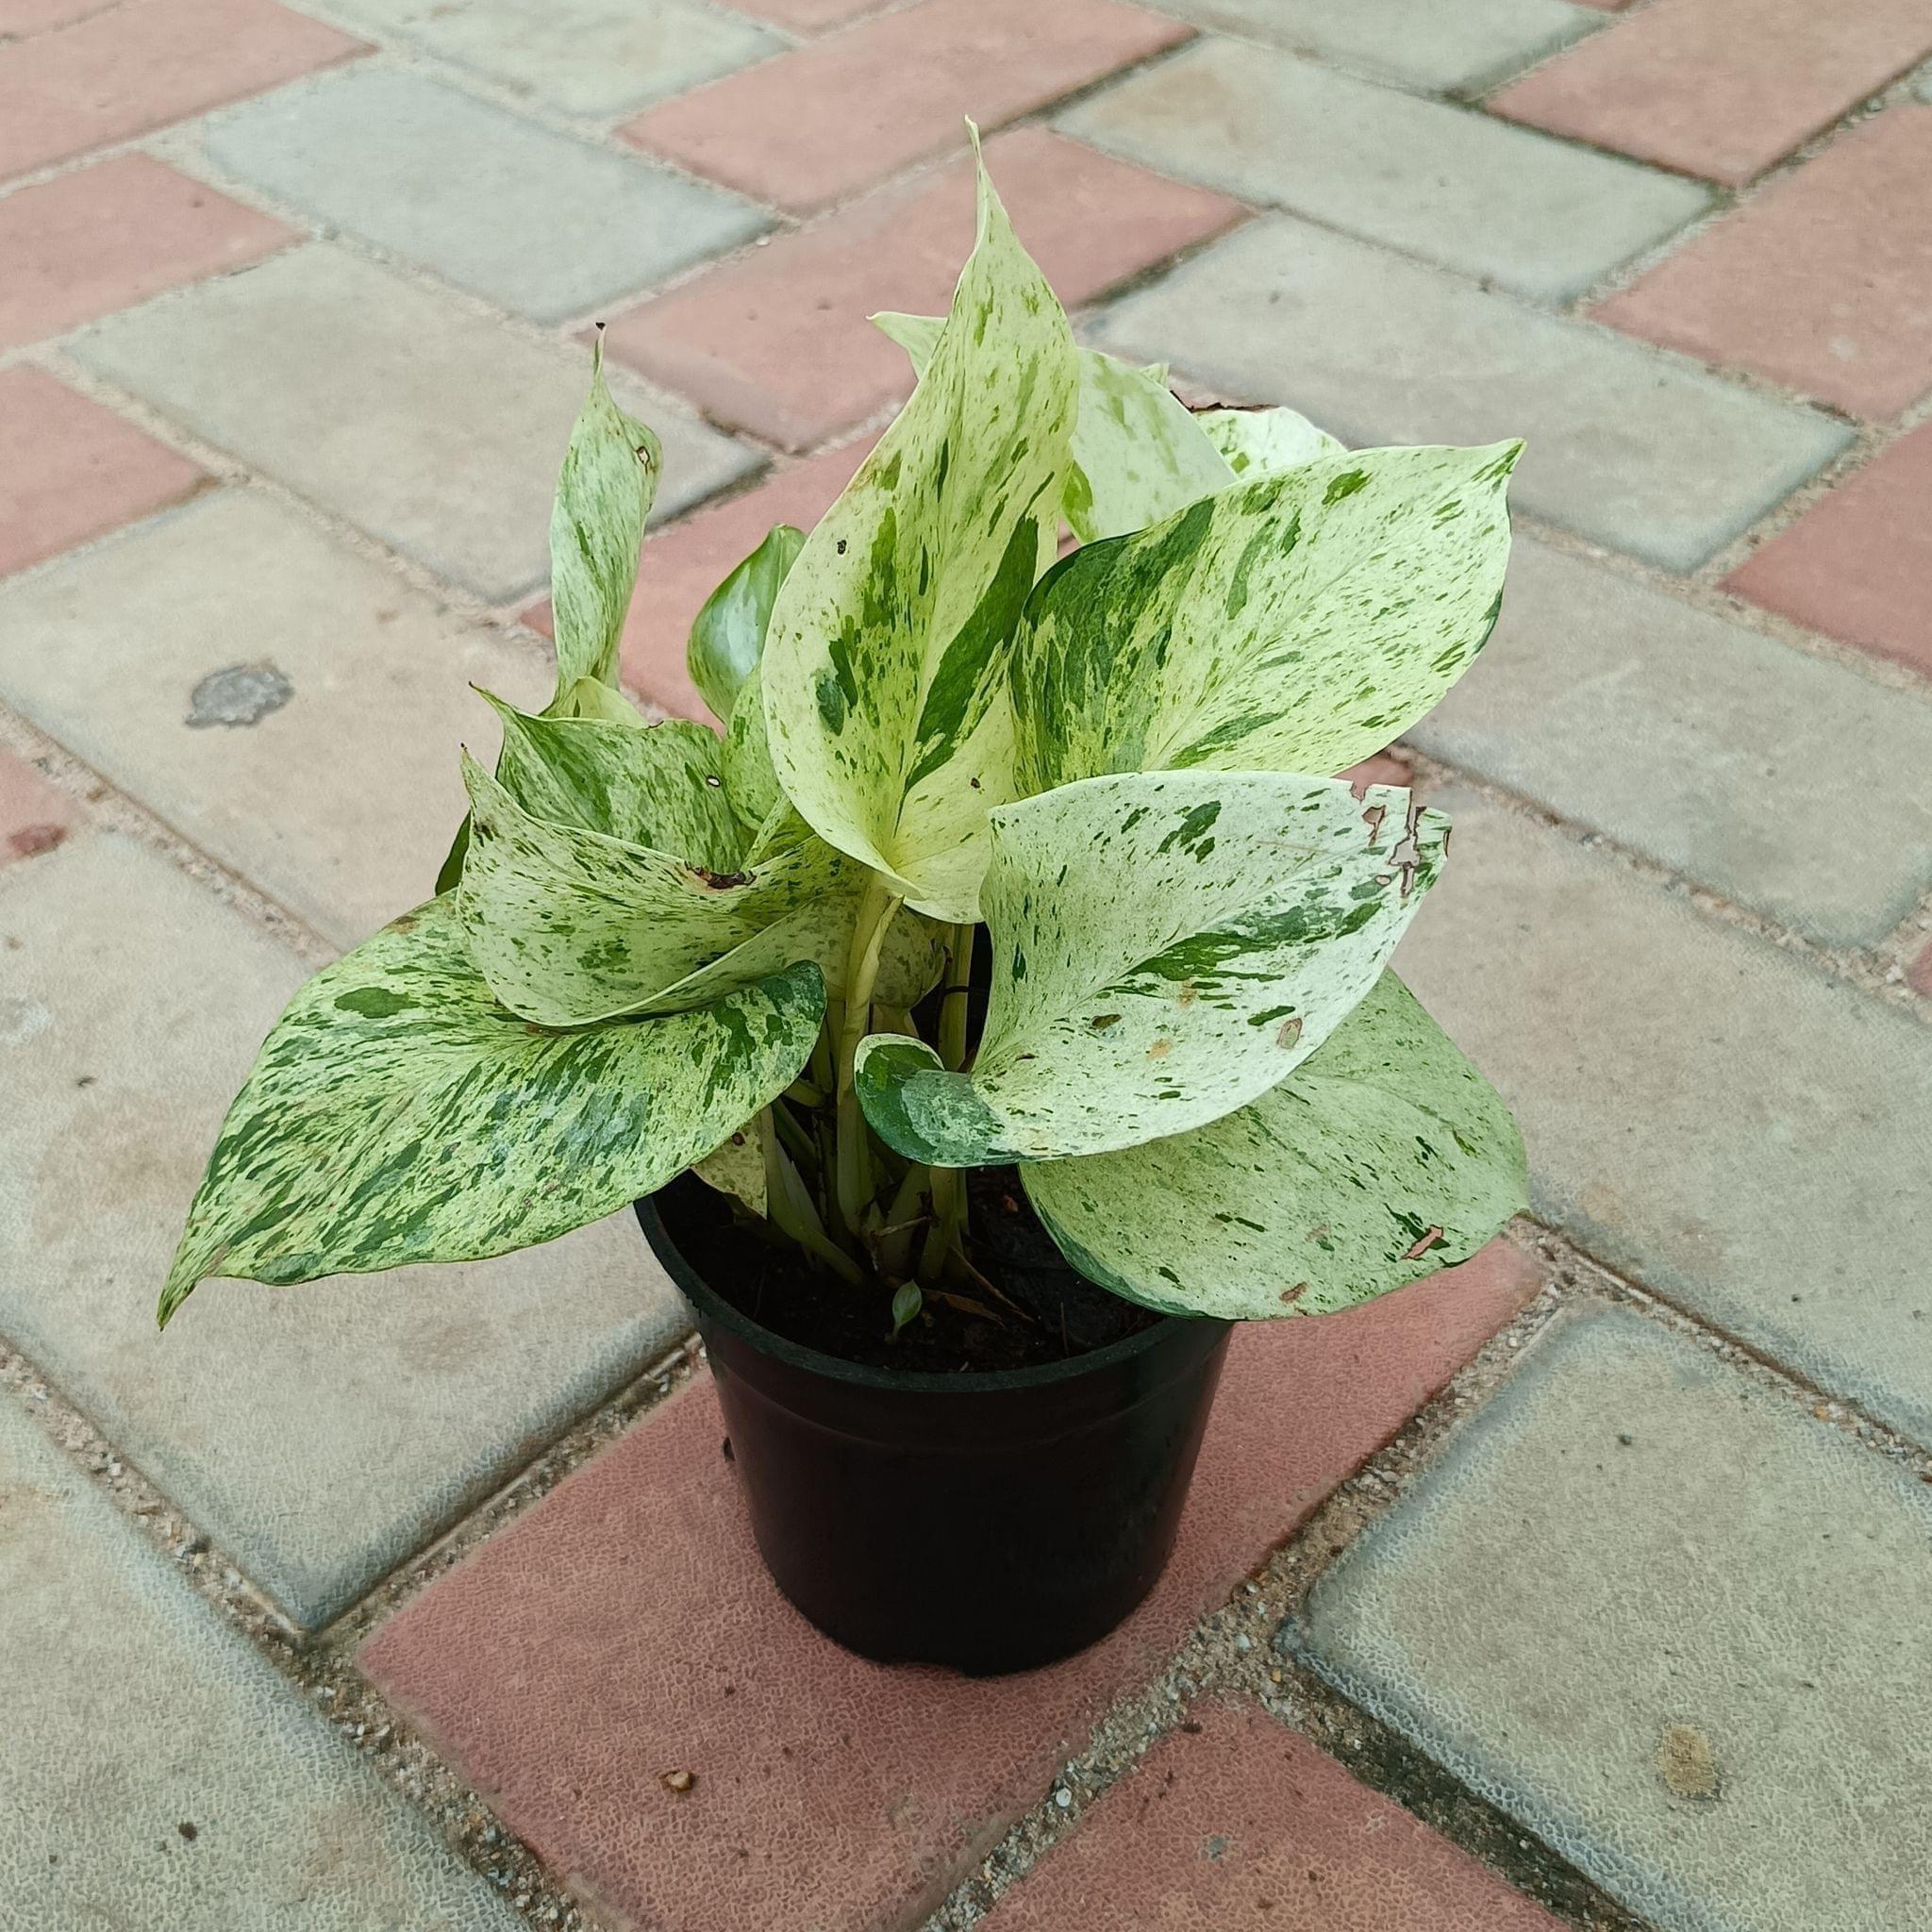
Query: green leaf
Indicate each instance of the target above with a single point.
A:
(729, 635)
(1137, 453)
(604, 494)
(1266, 441)
(736, 1166)
(1166, 946)
(657, 784)
(603, 703)
(1383, 1156)
(750, 783)
(570, 925)
(885, 668)
(1296, 624)
(397, 1114)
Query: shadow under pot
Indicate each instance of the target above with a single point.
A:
(992, 1521)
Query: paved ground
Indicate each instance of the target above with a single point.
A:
(1586, 1585)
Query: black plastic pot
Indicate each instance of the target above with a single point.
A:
(990, 1522)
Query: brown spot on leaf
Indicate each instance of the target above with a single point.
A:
(1100, 1022)
(1288, 1032)
(1292, 1295)
(1161, 1049)
(719, 881)
(1416, 1250)
(30, 840)
(1189, 994)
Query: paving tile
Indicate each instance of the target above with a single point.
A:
(433, 429)
(1380, 350)
(20, 18)
(1723, 1121)
(71, 470)
(1414, 41)
(112, 74)
(35, 816)
(1242, 1825)
(1857, 565)
(1722, 88)
(1661, 1615)
(1919, 974)
(808, 16)
(1823, 283)
(840, 113)
(777, 341)
(318, 1433)
(157, 1771)
(683, 565)
(594, 57)
(339, 801)
(114, 234)
(535, 222)
(1434, 180)
(631, 1615)
(1730, 757)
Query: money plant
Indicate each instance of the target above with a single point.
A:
(1113, 771)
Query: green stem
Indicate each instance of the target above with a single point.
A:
(877, 907)
(789, 1207)
(949, 1183)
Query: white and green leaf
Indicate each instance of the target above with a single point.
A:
(1165, 947)
(1297, 623)
(1265, 441)
(729, 635)
(736, 1166)
(885, 667)
(398, 1115)
(1383, 1156)
(750, 783)
(603, 493)
(1137, 453)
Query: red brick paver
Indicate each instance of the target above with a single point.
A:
(777, 340)
(1823, 282)
(1243, 1825)
(35, 816)
(683, 565)
(1919, 974)
(833, 117)
(1857, 565)
(71, 470)
(98, 240)
(624, 1628)
(1722, 88)
(114, 75)
(20, 18)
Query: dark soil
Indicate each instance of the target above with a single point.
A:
(1042, 1311)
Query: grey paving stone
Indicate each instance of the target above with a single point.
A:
(1420, 41)
(594, 57)
(1714, 750)
(528, 219)
(158, 1771)
(1478, 196)
(1704, 1110)
(1630, 448)
(435, 430)
(340, 800)
(1673, 1624)
(319, 1434)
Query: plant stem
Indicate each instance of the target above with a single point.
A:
(877, 907)
(789, 1207)
(949, 1183)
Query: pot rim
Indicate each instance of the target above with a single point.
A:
(713, 1307)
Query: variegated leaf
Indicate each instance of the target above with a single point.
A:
(736, 1166)
(661, 785)
(570, 925)
(750, 783)
(729, 635)
(398, 1115)
(602, 702)
(1298, 624)
(604, 494)
(1165, 947)
(1137, 453)
(885, 667)
(1265, 441)
(1383, 1156)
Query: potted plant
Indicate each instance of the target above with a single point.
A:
(997, 1012)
